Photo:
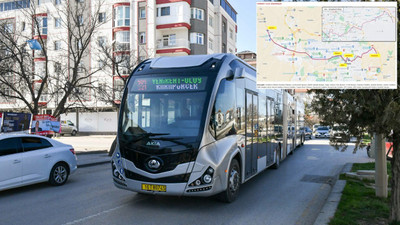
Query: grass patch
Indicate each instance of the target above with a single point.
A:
(358, 204)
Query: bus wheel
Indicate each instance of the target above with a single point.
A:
(278, 159)
(232, 189)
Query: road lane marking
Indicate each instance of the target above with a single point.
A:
(94, 215)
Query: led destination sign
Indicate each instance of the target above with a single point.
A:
(169, 84)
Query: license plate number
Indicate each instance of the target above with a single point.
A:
(154, 187)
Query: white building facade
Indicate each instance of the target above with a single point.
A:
(142, 28)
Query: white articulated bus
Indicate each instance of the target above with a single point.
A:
(198, 126)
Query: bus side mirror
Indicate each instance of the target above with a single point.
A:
(230, 75)
(239, 73)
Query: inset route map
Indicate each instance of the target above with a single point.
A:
(321, 45)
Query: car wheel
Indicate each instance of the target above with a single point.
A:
(233, 184)
(73, 133)
(59, 174)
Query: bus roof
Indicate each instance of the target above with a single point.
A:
(183, 61)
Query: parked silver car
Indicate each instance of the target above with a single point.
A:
(27, 159)
(67, 127)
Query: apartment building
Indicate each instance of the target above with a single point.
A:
(137, 29)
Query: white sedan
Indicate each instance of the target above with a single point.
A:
(27, 159)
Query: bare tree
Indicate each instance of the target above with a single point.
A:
(119, 60)
(19, 82)
(74, 80)
(31, 78)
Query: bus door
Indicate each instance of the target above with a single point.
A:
(271, 143)
(251, 133)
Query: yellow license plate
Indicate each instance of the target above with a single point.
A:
(154, 187)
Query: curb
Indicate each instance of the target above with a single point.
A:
(91, 152)
(329, 208)
(93, 164)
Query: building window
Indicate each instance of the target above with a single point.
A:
(57, 22)
(118, 88)
(42, 24)
(169, 40)
(163, 11)
(11, 5)
(211, 21)
(57, 2)
(79, 42)
(123, 62)
(223, 48)
(197, 38)
(101, 41)
(102, 17)
(81, 67)
(122, 39)
(212, 2)
(210, 43)
(197, 14)
(57, 45)
(100, 63)
(142, 12)
(57, 67)
(23, 26)
(122, 16)
(142, 38)
(122, 36)
(231, 33)
(224, 27)
(80, 20)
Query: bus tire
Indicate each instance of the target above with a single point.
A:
(233, 184)
(278, 159)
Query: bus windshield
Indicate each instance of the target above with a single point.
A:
(162, 113)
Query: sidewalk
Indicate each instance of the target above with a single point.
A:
(90, 150)
(93, 158)
(332, 201)
(87, 144)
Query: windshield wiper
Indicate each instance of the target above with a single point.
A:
(174, 140)
(139, 137)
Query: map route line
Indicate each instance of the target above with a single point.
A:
(306, 53)
(358, 27)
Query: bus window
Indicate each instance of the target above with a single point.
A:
(223, 114)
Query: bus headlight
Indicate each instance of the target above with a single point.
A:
(207, 178)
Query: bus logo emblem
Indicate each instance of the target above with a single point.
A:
(153, 143)
(153, 164)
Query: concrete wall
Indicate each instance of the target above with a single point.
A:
(94, 122)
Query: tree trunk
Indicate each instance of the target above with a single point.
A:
(395, 182)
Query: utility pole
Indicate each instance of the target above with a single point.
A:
(381, 181)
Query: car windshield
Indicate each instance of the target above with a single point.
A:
(323, 128)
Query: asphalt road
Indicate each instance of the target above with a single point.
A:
(293, 194)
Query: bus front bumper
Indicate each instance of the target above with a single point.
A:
(170, 189)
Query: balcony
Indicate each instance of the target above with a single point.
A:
(177, 17)
(172, 43)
